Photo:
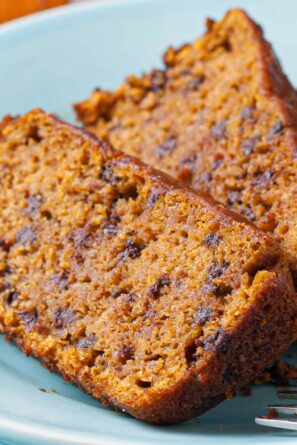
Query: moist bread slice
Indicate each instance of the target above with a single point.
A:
(221, 117)
(151, 297)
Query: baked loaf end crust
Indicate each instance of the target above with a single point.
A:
(151, 297)
(222, 117)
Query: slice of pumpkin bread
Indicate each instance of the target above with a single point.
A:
(151, 297)
(222, 117)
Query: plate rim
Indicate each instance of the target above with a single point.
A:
(65, 10)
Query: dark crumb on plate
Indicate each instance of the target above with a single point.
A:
(245, 392)
(272, 414)
(279, 374)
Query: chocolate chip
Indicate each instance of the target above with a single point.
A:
(116, 292)
(125, 353)
(216, 163)
(60, 281)
(153, 198)
(85, 343)
(212, 240)
(215, 271)
(110, 227)
(210, 287)
(204, 180)
(185, 72)
(108, 175)
(132, 250)
(11, 297)
(189, 160)
(214, 341)
(222, 342)
(211, 339)
(246, 112)
(194, 84)
(34, 203)
(203, 315)
(247, 145)
(218, 130)
(167, 146)
(63, 317)
(80, 238)
(130, 298)
(155, 290)
(158, 80)
(277, 128)
(29, 318)
(110, 230)
(26, 235)
(249, 213)
(79, 257)
(234, 197)
(262, 179)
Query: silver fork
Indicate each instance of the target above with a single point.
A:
(274, 418)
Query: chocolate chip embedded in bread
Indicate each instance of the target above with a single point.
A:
(29, 318)
(132, 249)
(126, 353)
(167, 147)
(212, 240)
(247, 145)
(63, 317)
(34, 203)
(277, 128)
(218, 130)
(246, 112)
(156, 288)
(26, 235)
(203, 315)
(87, 342)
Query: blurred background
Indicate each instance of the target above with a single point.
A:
(11, 9)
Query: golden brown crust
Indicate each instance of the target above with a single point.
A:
(152, 298)
(222, 117)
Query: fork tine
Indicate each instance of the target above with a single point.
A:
(288, 424)
(287, 393)
(293, 382)
(284, 409)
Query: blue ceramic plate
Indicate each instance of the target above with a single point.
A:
(52, 60)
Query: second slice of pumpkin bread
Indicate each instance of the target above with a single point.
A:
(221, 117)
(151, 297)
